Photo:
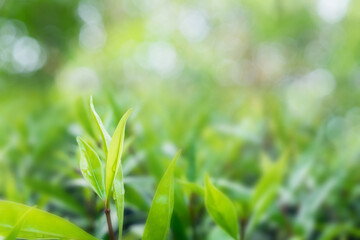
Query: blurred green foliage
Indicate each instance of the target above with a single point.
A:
(234, 84)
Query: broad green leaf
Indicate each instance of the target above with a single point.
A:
(38, 224)
(106, 139)
(15, 231)
(119, 192)
(158, 222)
(113, 160)
(91, 167)
(221, 209)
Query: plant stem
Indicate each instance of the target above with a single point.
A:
(108, 219)
(242, 228)
(193, 215)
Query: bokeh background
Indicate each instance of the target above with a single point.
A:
(231, 83)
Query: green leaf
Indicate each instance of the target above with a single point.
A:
(265, 192)
(221, 209)
(56, 194)
(192, 187)
(16, 229)
(83, 115)
(119, 193)
(106, 139)
(158, 222)
(272, 177)
(38, 224)
(113, 160)
(91, 167)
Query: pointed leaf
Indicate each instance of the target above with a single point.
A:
(272, 177)
(91, 167)
(192, 187)
(38, 224)
(119, 199)
(15, 231)
(113, 160)
(106, 139)
(221, 209)
(158, 222)
(265, 192)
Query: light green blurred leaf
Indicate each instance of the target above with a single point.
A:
(221, 209)
(192, 187)
(265, 192)
(119, 192)
(265, 162)
(137, 198)
(56, 194)
(16, 229)
(113, 160)
(91, 167)
(106, 139)
(83, 115)
(38, 224)
(271, 177)
(158, 221)
(8, 183)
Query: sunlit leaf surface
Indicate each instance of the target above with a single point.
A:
(38, 224)
(113, 160)
(158, 221)
(91, 167)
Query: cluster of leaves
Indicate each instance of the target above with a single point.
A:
(240, 212)
(20, 221)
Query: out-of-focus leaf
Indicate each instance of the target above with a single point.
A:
(106, 139)
(91, 167)
(119, 192)
(114, 155)
(8, 184)
(136, 198)
(84, 117)
(56, 194)
(158, 221)
(217, 233)
(192, 187)
(15, 231)
(270, 178)
(260, 208)
(311, 204)
(221, 209)
(38, 224)
(265, 162)
(265, 191)
(235, 190)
